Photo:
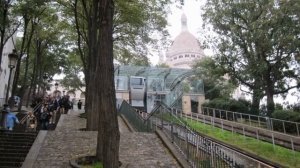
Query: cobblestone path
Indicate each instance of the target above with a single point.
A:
(137, 150)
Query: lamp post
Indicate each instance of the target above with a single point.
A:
(45, 77)
(56, 86)
(13, 57)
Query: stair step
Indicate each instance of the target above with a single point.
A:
(9, 164)
(12, 144)
(10, 154)
(11, 160)
(15, 150)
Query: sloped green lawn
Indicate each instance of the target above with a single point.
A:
(281, 155)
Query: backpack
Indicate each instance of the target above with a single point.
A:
(44, 115)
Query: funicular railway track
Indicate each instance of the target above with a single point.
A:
(198, 149)
(203, 151)
(278, 138)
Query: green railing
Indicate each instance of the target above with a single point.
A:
(133, 117)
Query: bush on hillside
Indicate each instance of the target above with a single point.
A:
(287, 115)
(241, 106)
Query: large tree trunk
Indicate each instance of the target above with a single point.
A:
(255, 101)
(257, 96)
(270, 98)
(102, 101)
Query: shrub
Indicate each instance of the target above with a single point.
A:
(241, 106)
(287, 115)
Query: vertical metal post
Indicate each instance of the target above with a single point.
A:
(172, 133)
(297, 127)
(258, 122)
(283, 126)
(197, 145)
(241, 117)
(222, 125)
(161, 119)
(226, 115)
(292, 144)
(187, 144)
(211, 154)
(250, 120)
(271, 124)
(273, 141)
(244, 132)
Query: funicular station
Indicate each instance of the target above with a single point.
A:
(141, 87)
(163, 100)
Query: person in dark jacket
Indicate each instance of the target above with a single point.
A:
(79, 104)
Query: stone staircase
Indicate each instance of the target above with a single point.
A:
(14, 147)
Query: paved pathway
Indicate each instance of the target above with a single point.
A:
(137, 150)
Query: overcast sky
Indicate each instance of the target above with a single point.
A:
(192, 11)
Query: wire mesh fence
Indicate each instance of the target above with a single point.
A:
(199, 150)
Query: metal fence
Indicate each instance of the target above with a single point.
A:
(199, 150)
(135, 119)
(286, 127)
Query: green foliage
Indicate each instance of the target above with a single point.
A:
(162, 65)
(257, 42)
(286, 115)
(72, 81)
(241, 106)
(138, 26)
(294, 107)
(216, 85)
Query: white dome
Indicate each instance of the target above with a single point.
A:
(185, 42)
(185, 48)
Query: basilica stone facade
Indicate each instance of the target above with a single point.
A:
(185, 49)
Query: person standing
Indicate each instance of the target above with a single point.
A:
(31, 122)
(44, 118)
(11, 119)
(79, 104)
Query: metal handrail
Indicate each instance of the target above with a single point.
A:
(24, 119)
(260, 120)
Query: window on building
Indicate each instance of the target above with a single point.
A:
(180, 56)
(193, 56)
(186, 55)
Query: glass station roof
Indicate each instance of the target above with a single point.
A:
(171, 76)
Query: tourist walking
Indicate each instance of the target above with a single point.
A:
(79, 104)
(31, 122)
(44, 118)
(11, 119)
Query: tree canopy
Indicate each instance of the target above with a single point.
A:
(257, 43)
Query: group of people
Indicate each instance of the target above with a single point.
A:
(44, 113)
(47, 113)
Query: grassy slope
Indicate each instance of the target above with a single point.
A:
(265, 150)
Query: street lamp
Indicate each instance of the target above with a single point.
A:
(56, 86)
(13, 57)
